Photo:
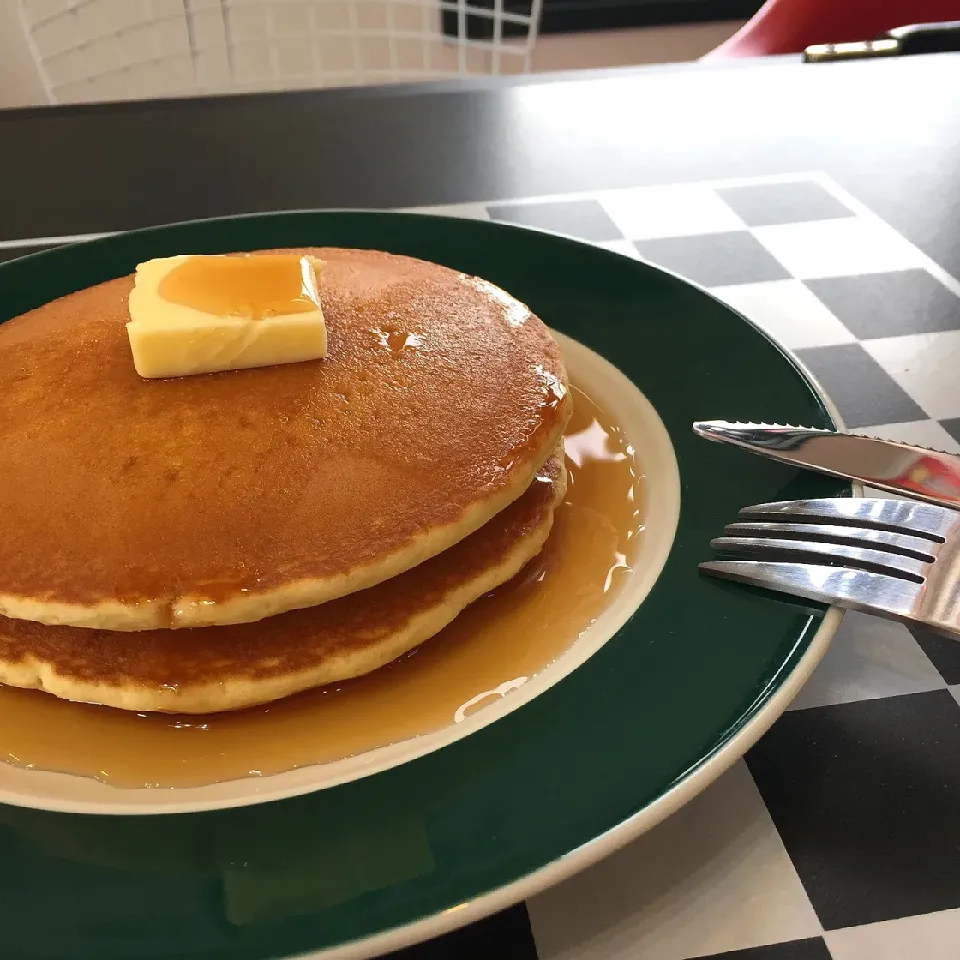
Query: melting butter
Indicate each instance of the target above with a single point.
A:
(204, 314)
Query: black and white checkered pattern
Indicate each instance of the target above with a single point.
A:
(839, 836)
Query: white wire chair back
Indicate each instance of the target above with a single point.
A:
(127, 49)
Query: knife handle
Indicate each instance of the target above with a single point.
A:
(927, 37)
(900, 42)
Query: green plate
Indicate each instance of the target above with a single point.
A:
(698, 672)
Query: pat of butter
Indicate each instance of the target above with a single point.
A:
(203, 314)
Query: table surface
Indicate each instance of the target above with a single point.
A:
(820, 200)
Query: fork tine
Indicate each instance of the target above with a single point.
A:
(822, 552)
(923, 519)
(838, 586)
(922, 548)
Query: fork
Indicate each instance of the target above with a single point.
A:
(895, 558)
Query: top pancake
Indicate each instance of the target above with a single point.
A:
(130, 504)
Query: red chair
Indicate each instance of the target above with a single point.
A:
(790, 26)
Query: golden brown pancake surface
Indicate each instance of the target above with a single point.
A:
(214, 668)
(232, 496)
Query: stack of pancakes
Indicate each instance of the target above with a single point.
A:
(212, 542)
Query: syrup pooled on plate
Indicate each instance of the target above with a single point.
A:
(491, 649)
(253, 286)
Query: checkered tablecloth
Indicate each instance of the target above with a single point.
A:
(839, 835)
(838, 838)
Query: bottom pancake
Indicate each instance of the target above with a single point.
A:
(212, 669)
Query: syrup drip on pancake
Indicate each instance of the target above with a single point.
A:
(490, 650)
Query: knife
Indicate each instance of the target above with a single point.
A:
(915, 472)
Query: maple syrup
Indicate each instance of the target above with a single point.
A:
(254, 286)
(492, 648)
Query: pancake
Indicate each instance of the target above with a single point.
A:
(229, 497)
(211, 669)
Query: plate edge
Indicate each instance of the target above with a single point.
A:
(607, 843)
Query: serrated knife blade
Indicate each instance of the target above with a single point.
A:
(916, 472)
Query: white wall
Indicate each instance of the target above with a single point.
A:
(20, 82)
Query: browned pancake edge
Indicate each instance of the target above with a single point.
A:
(209, 669)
